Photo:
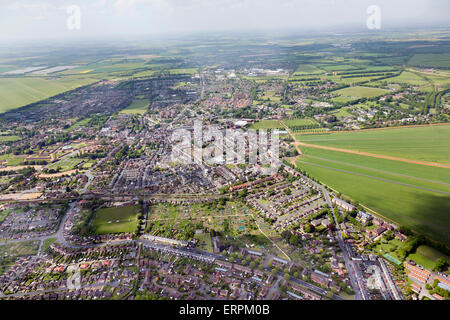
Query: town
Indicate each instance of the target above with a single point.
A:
(99, 200)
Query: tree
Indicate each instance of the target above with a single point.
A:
(286, 276)
(440, 265)
(293, 240)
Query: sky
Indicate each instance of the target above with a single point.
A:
(48, 19)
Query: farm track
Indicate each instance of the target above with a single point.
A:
(374, 155)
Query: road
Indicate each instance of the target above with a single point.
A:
(354, 271)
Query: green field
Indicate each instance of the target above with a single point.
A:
(65, 164)
(414, 195)
(299, 122)
(205, 242)
(430, 60)
(360, 92)
(427, 256)
(9, 138)
(419, 143)
(17, 92)
(116, 219)
(267, 124)
(139, 106)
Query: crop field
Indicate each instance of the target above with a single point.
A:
(411, 194)
(430, 60)
(405, 203)
(414, 195)
(429, 143)
(20, 89)
(139, 106)
(116, 219)
(307, 69)
(17, 92)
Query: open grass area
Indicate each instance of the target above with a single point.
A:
(427, 256)
(47, 243)
(360, 92)
(299, 122)
(78, 124)
(413, 195)
(65, 164)
(9, 138)
(139, 106)
(267, 124)
(205, 242)
(11, 160)
(116, 219)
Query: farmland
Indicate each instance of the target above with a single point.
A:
(413, 195)
(419, 143)
(17, 92)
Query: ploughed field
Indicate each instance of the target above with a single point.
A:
(414, 195)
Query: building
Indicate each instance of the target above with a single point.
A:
(363, 216)
(172, 242)
(342, 204)
(320, 277)
(416, 272)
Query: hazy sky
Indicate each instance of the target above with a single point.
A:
(42, 19)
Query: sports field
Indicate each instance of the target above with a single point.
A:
(360, 92)
(139, 106)
(116, 219)
(266, 124)
(65, 164)
(414, 195)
